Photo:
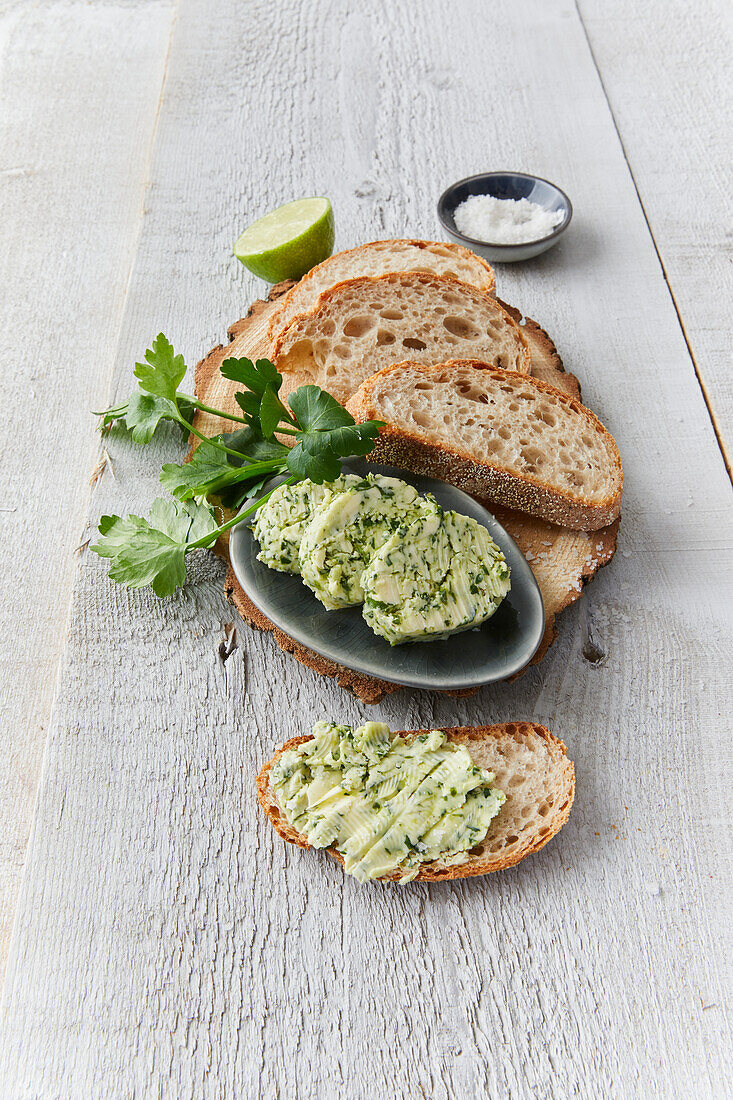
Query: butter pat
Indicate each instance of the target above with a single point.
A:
(386, 803)
(442, 574)
(346, 532)
(280, 522)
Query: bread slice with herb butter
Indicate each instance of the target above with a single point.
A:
(381, 258)
(497, 434)
(360, 326)
(529, 766)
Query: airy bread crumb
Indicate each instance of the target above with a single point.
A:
(381, 258)
(358, 327)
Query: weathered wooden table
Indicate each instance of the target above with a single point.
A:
(160, 941)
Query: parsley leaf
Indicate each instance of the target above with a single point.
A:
(158, 378)
(310, 458)
(153, 551)
(162, 370)
(230, 466)
(328, 434)
(271, 412)
(259, 402)
(255, 377)
(145, 412)
(316, 410)
(210, 470)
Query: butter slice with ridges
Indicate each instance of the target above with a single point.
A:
(441, 575)
(344, 535)
(280, 522)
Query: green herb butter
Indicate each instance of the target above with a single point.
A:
(442, 574)
(346, 532)
(384, 802)
(280, 522)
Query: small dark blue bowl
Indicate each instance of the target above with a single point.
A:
(505, 185)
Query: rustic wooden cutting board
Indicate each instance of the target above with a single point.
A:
(563, 561)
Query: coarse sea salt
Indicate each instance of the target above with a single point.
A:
(504, 221)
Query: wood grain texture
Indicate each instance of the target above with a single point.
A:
(167, 943)
(80, 89)
(667, 69)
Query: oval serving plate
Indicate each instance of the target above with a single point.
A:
(503, 645)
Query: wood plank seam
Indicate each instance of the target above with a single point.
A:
(727, 459)
(96, 462)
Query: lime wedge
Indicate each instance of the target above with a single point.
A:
(289, 241)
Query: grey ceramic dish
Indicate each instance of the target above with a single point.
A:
(500, 647)
(505, 185)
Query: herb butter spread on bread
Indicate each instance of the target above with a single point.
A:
(441, 575)
(531, 768)
(385, 803)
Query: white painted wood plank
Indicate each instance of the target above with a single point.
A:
(667, 69)
(168, 943)
(80, 89)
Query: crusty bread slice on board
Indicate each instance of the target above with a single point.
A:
(360, 326)
(530, 766)
(381, 258)
(562, 561)
(497, 434)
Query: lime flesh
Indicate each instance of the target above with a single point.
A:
(289, 241)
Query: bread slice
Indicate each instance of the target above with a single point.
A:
(530, 766)
(380, 258)
(358, 327)
(497, 434)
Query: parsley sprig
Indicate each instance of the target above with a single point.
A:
(228, 468)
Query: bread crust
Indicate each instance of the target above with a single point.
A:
(297, 329)
(546, 362)
(481, 863)
(522, 492)
(600, 548)
(276, 322)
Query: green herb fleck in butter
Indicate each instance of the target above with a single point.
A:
(386, 803)
(442, 574)
(346, 532)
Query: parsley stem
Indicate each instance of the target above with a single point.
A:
(214, 412)
(211, 538)
(213, 442)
